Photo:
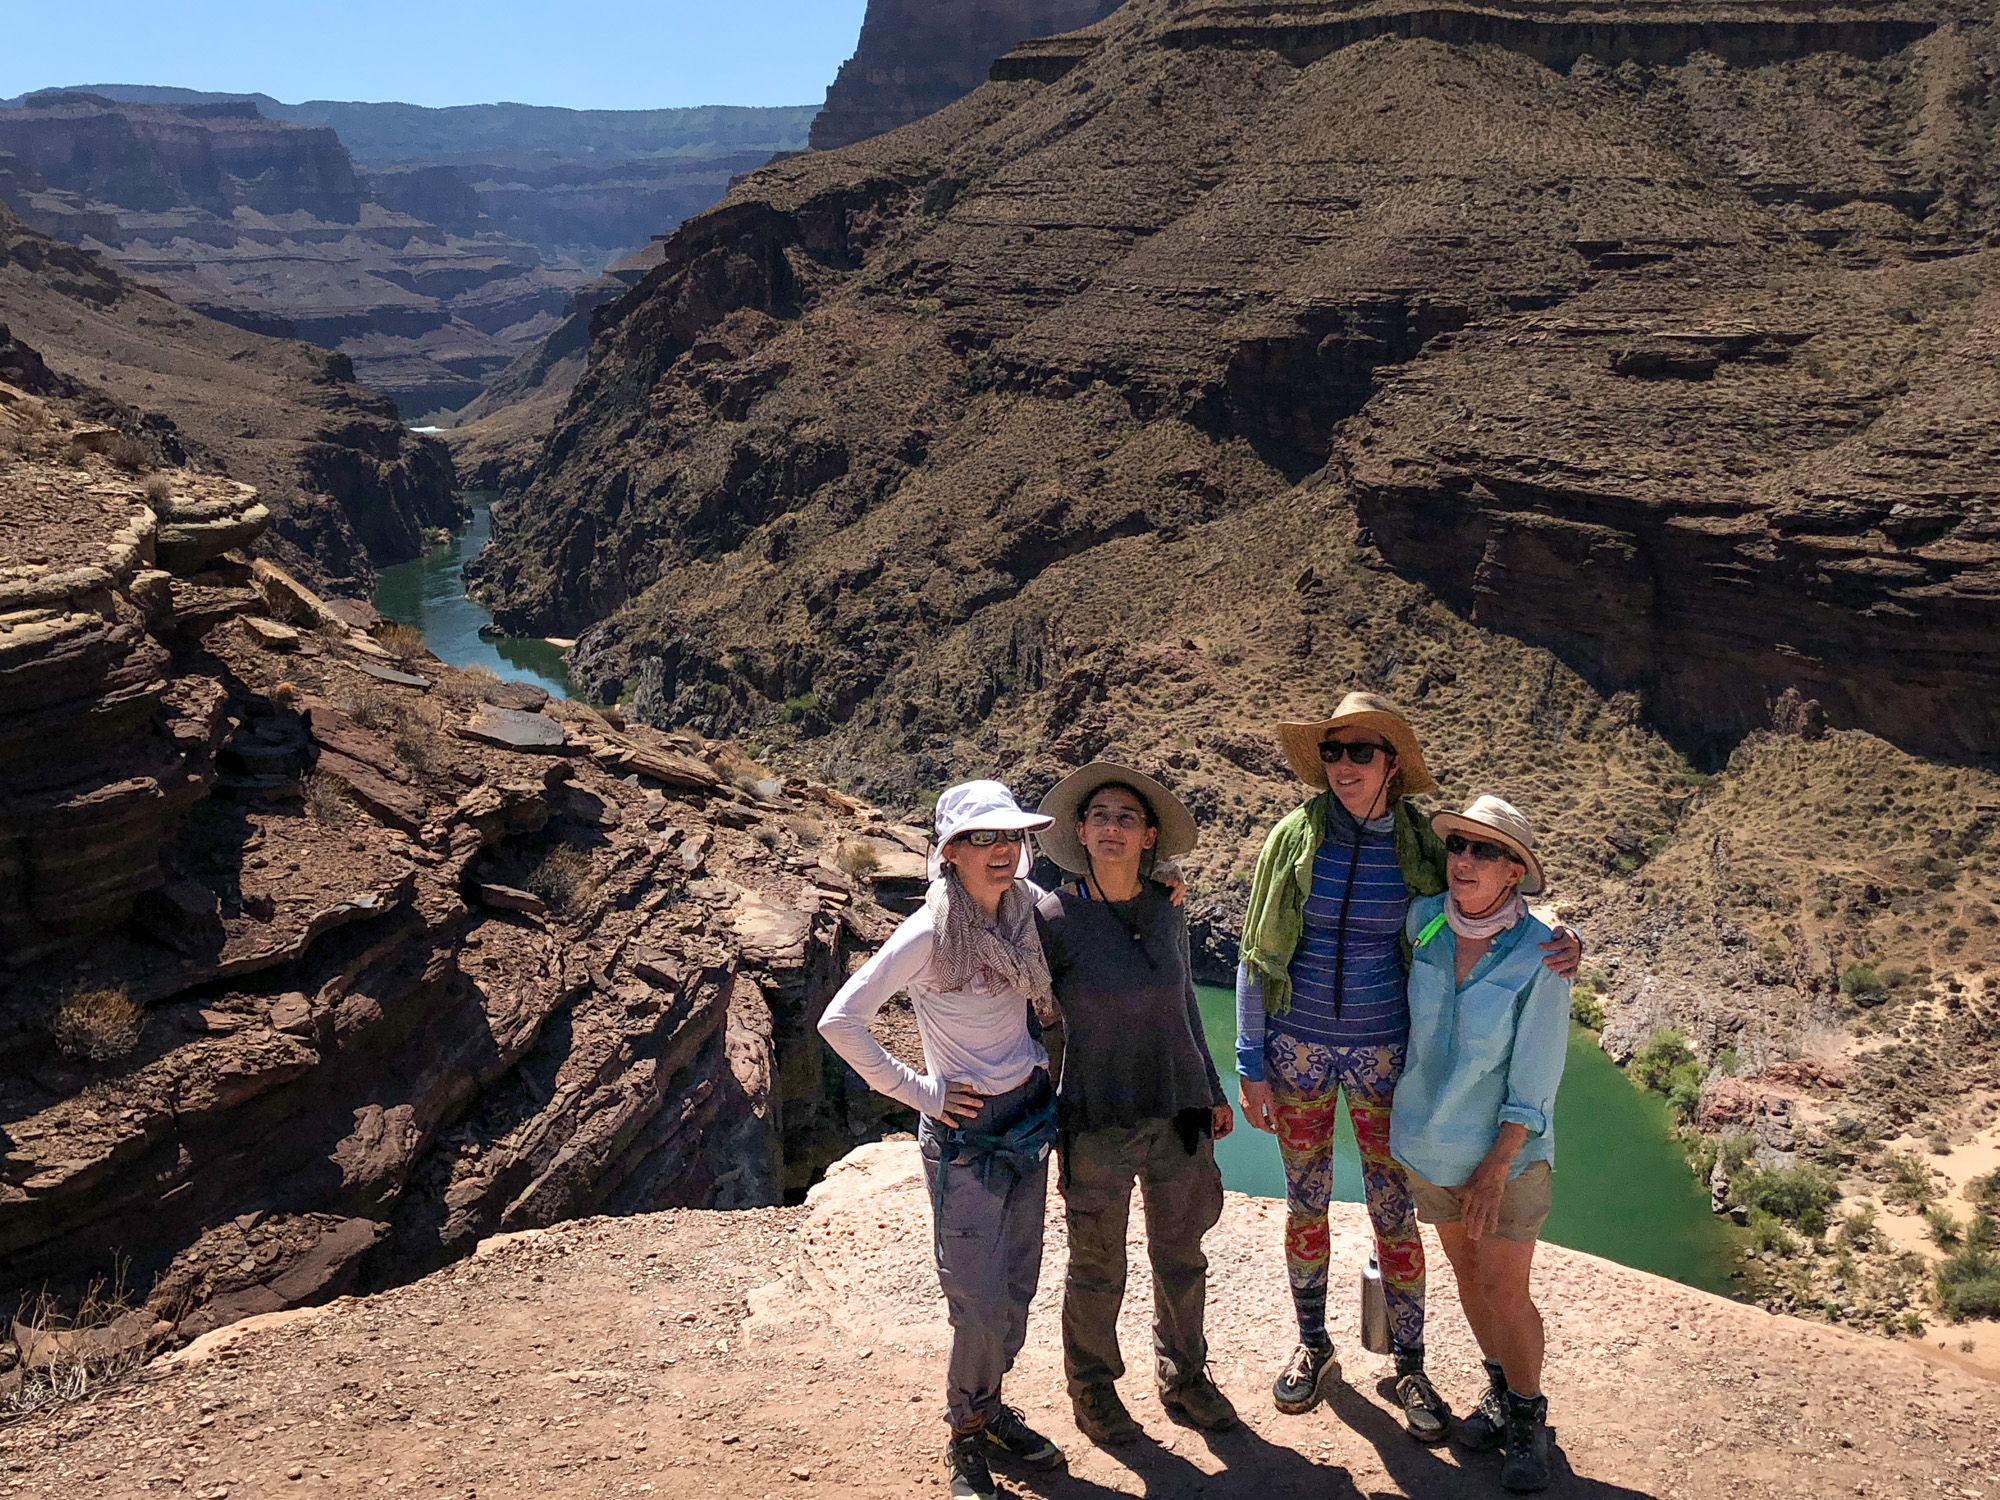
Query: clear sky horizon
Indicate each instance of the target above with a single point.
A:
(615, 54)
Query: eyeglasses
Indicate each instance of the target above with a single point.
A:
(1361, 753)
(1479, 849)
(986, 838)
(1125, 818)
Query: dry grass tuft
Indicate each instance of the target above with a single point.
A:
(129, 454)
(400, 640)
(97, 1025)
(858, 859)
(73, 1356)
(328, 800)
(159, 489)
(564, 879)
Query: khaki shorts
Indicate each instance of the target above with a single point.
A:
(1524, 1206)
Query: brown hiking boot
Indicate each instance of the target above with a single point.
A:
(1101, 1416)
(1201, 1403)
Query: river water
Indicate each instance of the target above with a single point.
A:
(1622, 1190)
(428, 592)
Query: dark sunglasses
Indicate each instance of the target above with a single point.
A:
(1361, 754)
(986, 838)
(1479, 849)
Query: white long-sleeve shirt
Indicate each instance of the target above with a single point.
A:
(975, 1036)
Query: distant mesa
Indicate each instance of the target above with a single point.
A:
(917, 56)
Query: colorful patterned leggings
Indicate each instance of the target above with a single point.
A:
(1307, 1079)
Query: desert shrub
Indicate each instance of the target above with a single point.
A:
(1586, 1009)
(328, 800)
(1858, 1228)
(72, 1369)
(1728, 1062)
(399, 640)
(858, 860)
(129, 454)
(1943, 1227)
(1798, 1195)
(564, 879)
(1985, 1191)
(1653, 1064)
(1736, 1148)
(797, 709)
(1909, 1180)
(1767, 1232)
(1861, 983)
(97, 1025)
(1968, 1283)
(159, 489)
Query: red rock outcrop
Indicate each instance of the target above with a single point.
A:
(917, 56)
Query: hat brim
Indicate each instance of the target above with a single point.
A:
(1000, 821)
(1301, 743)
(1532, 884)
(1178, 833)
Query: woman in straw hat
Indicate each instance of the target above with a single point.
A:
(1474, 1118)
(1139, 1098)
(971, 960)
(1321, 1011)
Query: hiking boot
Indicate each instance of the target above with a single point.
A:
(965, 1467)
(1425, 1415)
(1483, 1430)
(1305, 1381)
(1201, 1403)
(1101, 1416)
(1526, 1444)
(1011, 1440)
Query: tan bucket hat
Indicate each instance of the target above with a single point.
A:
(1495, 821)
(1301, 742)
(1059, 840)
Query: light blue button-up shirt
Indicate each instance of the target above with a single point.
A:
(1481, 1054)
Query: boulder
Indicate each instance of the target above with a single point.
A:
(511, 729)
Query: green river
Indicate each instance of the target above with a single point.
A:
(1622, 1190)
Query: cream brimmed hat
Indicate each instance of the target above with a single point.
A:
(972, 805)
(1060, 843)
(1301, 742)
(1494, 821)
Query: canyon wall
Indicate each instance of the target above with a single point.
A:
(916, 56)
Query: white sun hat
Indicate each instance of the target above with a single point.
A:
(972, 805)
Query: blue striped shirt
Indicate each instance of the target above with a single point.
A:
(1374, 1010)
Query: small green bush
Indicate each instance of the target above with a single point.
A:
(797, 708)
(1586, 1009)
(1858, 1228)
(1910, 1180)
(1798, 1195)
(1968, 1283)
(1737, 1147)
(1985, 1190)
(1684, 1091)
(1767, 1232)
(1653, 1065)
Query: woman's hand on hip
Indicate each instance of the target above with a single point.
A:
(961, 1102)
(1565, 953)
(1222, 1120)
(1258, 1107)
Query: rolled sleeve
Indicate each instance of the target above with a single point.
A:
(1249, 1024)
(1541, 1047)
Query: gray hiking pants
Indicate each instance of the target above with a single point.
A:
(989, 1255)
(1183, 1200)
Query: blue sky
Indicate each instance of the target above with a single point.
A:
(606, 54)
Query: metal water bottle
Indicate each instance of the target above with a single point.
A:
(1374, 1308)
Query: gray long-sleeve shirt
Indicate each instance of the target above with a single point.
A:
(1133, 1045)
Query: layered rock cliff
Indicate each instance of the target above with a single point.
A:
(346, 484)
(320, 961)
(916, 56)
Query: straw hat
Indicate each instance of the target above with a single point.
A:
(1301, 742)
(1490, 819)
(972, 805)
(1060, 843)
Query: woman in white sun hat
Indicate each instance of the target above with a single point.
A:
(1473, 1124)
(971, 961)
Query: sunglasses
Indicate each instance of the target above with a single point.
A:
(986, 838)
(1479, 849)
(1361, 754)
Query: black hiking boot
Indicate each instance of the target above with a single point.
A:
(1425, 1415)
(1101, 1416)
(1526, 1445)
(1011, 1440)
(1483, 1430)
(1305, 1380)
(965, 1468)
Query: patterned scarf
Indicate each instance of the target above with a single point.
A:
(1492, 924)
(1008, 952)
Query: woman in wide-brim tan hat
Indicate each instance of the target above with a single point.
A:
(1061, 841)
(1321, 1011)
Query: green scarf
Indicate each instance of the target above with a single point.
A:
(1276, 919)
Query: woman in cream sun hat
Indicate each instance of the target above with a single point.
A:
(1474, 1120)
(1321, 1010)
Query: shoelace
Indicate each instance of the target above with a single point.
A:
(1305, 1364)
